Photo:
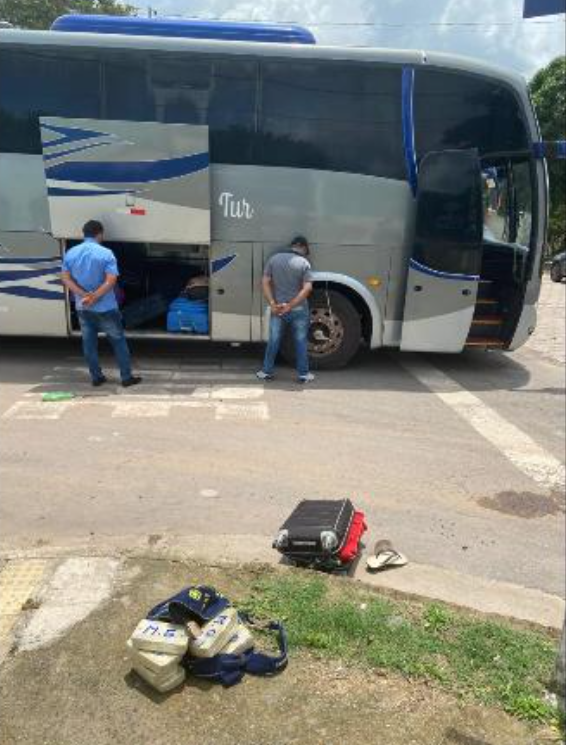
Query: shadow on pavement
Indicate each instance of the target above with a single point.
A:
(28, 360)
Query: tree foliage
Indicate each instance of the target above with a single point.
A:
(40, 14)
(548, 91)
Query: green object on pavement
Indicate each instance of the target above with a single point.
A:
(58, 396)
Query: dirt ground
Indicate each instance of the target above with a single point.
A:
(80, 691)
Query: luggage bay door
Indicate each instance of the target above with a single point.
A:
(444, 269)
(231, 291)
(146, 182)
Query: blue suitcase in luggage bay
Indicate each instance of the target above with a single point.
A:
(189, 316)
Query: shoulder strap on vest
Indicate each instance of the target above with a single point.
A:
(229, 669)
(259, 663)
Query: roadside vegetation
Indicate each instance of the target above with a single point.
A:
(487, 660)
(548, 91)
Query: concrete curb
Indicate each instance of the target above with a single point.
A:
(424, 581)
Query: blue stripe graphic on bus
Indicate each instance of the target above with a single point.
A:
(536, 8)
(32, 292)
(70, 134)
(57, 191)
(80, 149)
(22, 261)
(219, 264)
(444, 275)
(13, 276)
(38, 277)
(408, 118)
(134, 172)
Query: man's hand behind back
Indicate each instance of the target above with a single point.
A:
(283, 308)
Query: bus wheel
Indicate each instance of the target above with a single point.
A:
(335, 331)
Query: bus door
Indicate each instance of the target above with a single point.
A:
(231, 291)
(146, 182)
(444, 269)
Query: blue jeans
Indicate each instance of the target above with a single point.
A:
(299, 321)
(109, 323)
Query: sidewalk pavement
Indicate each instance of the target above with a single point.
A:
(67, 679)
(549, 339)
(422, 580)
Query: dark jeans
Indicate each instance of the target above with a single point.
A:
(109, 323)
(299, 321)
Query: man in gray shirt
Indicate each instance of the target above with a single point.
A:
(287, 283)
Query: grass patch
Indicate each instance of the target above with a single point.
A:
(494, 663)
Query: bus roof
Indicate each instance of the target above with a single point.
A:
(184, 28)
(258, 49)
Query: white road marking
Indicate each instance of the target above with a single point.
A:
(254, 411)
(165, 392)
(520, 449)
(242, 393)
(160, 405)
(77, 588)
(140, 409)
(176, 376)
(211, 493)
(37, 410)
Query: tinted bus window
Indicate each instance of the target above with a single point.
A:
(331, 116)
(127, 95)
(217, 92)
(455, 110)
(187, 89)
(44, 82)
(180, 88)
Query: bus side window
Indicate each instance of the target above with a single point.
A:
(126, 89)
(187, 89)
(44, 82)
(332, 116)
(456, 110)
(180, 89)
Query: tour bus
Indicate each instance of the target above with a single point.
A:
(204, 148)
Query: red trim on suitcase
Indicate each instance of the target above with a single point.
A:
(351, 546)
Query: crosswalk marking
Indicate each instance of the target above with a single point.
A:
(37, 410)
(140, 409)
(164, 392)
(175, 376)
(520, 449)
(255, 411)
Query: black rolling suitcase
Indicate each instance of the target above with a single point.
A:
(315, 532)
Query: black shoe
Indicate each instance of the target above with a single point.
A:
(99, 381)
(134, 380)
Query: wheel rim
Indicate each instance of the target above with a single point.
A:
(326, 333)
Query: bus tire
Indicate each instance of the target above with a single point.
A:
(335, 332)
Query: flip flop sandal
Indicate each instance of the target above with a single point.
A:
(385, 556)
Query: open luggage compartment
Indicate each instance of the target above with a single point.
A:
(162, 288)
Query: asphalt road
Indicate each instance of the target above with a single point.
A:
(454, 458)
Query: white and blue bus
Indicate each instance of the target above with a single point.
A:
(204, 147)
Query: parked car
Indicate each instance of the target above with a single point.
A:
(558, 267)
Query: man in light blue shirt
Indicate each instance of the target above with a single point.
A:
(90, 273)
